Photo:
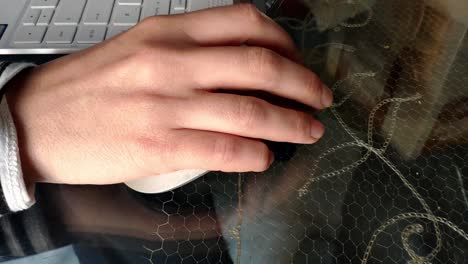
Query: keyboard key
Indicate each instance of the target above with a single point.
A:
(194, 5)
(129, 2)
(31, 17)
(60, 34)
(97, 12)
(90, 34)
(44, 3)
(69, 12)
(45, 17)
(30, 34)
(125, 15)
(178, 7)
(177, 11)
(155, 8)
(115, 30)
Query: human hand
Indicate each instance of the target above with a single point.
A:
(146, 101)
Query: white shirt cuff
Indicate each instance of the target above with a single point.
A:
(14, 189)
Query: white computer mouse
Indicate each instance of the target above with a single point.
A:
(165, 182)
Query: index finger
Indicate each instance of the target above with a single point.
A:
(237, 25)
(256, 69)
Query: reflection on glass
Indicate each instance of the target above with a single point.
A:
(387, 183)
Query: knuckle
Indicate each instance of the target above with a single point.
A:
(150, 151)
(250, 111)
(142, 65)
(263, 62)
(251, 13)
(302, 124)
(146, 145)
(151, 144)
(313, 85)
(147, 28)
(141, 60)
(152, 21)
(151, 133)
(145, 121)
(225, 150)
(170, 150)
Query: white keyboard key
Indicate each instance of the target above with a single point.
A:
(60, 34)
(195, 5)
(31, 17)
(69, 12)
(177, 11)
(155, 8)
(44, 3)
(30, 34)
(125, 15)
(90, 34)
(45, 17)
(97, 12)
(178, 7)
(129, 2)
(115, 30)
(178, 4)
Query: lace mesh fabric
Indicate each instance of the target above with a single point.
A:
(387, 183)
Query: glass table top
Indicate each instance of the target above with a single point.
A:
(387, 183)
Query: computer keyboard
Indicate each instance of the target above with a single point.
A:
(76, 22)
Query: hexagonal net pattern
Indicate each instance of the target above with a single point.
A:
(386, 184)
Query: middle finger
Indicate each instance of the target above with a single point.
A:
(247, 117)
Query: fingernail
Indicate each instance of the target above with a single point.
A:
(316, 130)
(327, 96)
(271, 157)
